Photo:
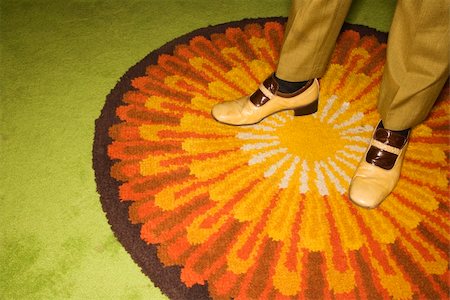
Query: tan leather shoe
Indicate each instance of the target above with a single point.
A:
(379, 170)
(267, 100)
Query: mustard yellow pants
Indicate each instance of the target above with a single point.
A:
(417, 54)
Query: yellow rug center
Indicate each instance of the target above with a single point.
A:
(310, 138)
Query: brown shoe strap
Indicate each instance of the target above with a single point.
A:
(270, 87)
(390, 138)
(259, 98)
(385, 147)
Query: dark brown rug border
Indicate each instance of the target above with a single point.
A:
(167, 279)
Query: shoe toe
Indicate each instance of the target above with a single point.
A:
(218, 111)
(229, 112)
(366, 194)
(223, 112)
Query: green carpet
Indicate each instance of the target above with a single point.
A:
(59, 60)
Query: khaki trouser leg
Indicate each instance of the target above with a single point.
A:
(310, 38)
(417, 62)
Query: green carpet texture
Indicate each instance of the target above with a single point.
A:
(59, 60)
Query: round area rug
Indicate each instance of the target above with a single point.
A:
(262, 212)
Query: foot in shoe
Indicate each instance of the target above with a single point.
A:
(267, 100)
(379, 170)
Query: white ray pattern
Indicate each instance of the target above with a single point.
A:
(259, 146)
(261, 157)
(304, 178)
(273, 168)
(251, 136)
(339, 112)
(333, 173)
(327, 107)
(288, 173)
(320, 180)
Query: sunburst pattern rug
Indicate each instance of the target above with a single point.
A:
(262, 211)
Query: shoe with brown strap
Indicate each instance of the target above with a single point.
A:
(268, 100)
(379, 170)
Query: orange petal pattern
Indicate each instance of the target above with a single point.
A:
(261, 211)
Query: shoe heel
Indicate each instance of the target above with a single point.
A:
(307, 109)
